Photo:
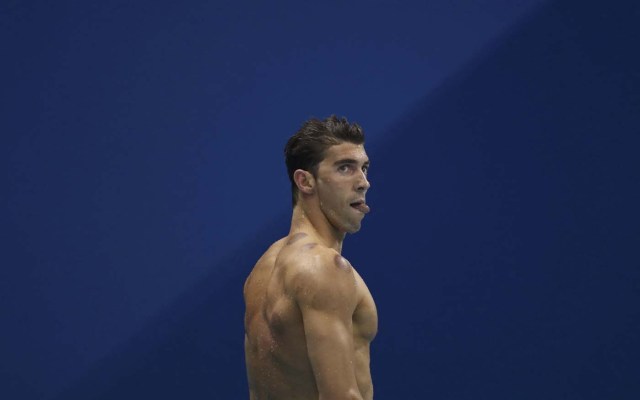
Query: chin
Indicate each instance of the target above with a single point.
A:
(353, 229)
(347, 228)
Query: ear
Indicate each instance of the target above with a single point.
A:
(304, 181)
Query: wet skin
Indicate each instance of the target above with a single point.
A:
(310, 318)
(276, 341)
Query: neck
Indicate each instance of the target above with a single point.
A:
(310, 219)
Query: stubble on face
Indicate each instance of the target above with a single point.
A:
(338, 189)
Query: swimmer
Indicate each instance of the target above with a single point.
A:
(309, 315)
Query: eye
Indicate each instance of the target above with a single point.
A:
(365, 169)
(344, 168)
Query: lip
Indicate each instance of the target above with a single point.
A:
(360, 205)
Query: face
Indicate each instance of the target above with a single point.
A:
(342, 186)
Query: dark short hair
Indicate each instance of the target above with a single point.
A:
(306, 148)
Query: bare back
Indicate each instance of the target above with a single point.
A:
(308, 324)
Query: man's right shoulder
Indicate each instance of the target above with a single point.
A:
(315, 267)
(322, 280)
(300, 258)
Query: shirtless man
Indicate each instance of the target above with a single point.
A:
(309, 315)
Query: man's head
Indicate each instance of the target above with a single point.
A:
(327, 166)
(307, 147)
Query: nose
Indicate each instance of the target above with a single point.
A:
(363, 183)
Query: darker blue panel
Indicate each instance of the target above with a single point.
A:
(502, 248)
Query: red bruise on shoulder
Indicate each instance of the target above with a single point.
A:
(295, 237)
(341, 262)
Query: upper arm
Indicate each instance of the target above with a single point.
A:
(326, 295)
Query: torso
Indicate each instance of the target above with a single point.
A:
(275, 347)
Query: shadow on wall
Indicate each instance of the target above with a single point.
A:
(501, 248)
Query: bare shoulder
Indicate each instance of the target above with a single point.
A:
(265, 264)
(318, 275)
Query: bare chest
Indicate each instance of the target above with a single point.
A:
(365, 316)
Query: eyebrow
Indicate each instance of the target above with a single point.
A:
(350, 161)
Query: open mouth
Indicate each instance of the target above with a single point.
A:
(360, 206)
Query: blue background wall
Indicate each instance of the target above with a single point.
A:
(141, 152)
